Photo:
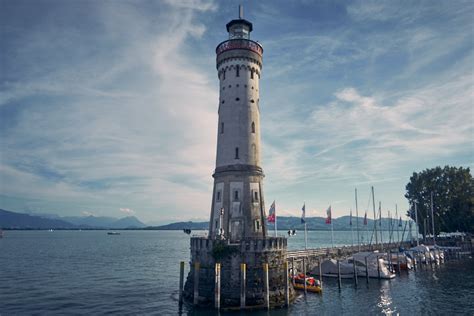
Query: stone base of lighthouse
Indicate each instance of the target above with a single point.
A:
(254, 252)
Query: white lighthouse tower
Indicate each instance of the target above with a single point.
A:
(238, 206)
(228, 267)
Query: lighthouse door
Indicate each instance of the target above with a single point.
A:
(235, 230)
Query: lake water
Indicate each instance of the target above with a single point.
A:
(137, 272)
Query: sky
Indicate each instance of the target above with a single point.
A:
(109, 108)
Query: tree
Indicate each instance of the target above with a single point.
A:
(453, 200)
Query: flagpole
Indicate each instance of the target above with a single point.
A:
(305, 232)
(332, 229)
(305, 237)
(357, 221)
(275, 220)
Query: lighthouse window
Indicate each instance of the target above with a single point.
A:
(251, 74)
(236, 152)
(222, 128)
(252, 101)
(223, 101)
(237, 71)
(255, 196)
(223, 75)
(237, 99)
(257, 225)
(253, 127)
(218, 198)
(236, 195)
(217, 223)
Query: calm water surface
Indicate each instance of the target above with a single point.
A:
(90, 272)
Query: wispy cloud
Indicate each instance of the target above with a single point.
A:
(118, 105)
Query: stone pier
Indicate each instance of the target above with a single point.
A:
(254, 252)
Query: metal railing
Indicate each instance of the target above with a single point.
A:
(240, 44)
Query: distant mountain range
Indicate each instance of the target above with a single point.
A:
(286, 223)
(12, 220)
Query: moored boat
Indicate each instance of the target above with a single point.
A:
(113, 233)
(312, 285)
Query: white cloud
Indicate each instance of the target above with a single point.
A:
(127, 211)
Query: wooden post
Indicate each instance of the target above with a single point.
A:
(389, 259)
(304, 272)
(338, 274)
(320, 273)
(414, 262)
(399, 263)
(287, 285)
(196, 283)
(217, 287)
(293, 270)
(243, 283)
(378, 267)
(355, 271)
(181, 281)
(366, 270)
(266, 285)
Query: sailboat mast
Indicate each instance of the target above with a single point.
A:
(380, 223)
(432, 219)
(357, 222)
(375, 218)
(417, 227)
(352, 231)
(398, 227)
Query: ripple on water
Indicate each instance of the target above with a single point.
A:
(137, 273)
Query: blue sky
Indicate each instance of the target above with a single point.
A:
(110, 107)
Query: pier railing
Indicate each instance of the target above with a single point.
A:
(341, 250)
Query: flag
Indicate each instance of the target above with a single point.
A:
(350, 219)
(328, 212)
(400, 222)
(271, 213)
(365, 218)
(303, 216)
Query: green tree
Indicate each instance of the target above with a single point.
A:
(453, 201)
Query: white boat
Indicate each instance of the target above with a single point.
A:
(422, 253)
(329, 269)
(375, 263)
(405, 263)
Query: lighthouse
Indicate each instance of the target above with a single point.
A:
(237, 263)
(238, 208)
